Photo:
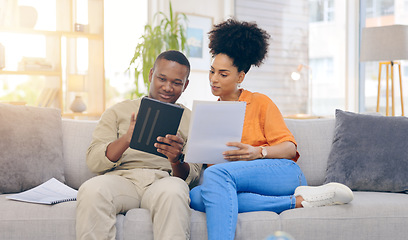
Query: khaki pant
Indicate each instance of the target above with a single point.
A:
(101, 198)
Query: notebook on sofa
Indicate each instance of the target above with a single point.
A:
(50, 192)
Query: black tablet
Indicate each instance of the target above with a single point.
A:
(154, 119)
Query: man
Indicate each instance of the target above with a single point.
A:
(132, 179)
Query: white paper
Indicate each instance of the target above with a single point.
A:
(50, 192)
(213, 124)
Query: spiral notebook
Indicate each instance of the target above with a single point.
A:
(50, 192)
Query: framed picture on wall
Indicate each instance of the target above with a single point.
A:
(197, 28)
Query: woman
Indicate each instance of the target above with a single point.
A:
(262, 174)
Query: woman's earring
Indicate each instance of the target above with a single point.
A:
(239, 85)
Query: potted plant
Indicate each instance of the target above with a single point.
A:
(169, 34)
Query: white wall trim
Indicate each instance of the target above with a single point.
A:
(352, 56)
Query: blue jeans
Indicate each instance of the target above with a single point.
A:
(235, 187)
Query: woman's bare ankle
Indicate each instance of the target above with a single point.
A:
(299, 200)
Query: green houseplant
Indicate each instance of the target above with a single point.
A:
(169, 34)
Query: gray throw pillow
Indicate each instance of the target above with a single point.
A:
(369, 152)
(30, 147)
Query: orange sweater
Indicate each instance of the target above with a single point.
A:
(263, 124)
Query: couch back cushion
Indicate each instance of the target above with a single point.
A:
(30, 147)
(369, 152)
(314, 138)
(77, 135)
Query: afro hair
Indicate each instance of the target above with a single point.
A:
(244, 42)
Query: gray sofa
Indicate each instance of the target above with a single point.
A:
(371, 215)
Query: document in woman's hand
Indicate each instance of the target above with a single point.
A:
(212, 125)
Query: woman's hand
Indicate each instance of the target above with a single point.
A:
(244, 152)
(247, 152)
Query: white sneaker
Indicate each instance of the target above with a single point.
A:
(325, 195)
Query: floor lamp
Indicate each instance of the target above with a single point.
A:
(386, 44)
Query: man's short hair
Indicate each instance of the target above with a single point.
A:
(175, 56)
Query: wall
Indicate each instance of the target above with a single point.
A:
(218, 10)
(287, 23)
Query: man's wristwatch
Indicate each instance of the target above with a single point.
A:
(181, 158)
(263, 152)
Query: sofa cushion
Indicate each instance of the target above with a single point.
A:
(32, 221)
(77, 136)
(369, 152)
(250, 225)
(371, 215)
(30, 147)
(313, 137)
(137, 224)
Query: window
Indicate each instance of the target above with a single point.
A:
(378, 8)
(327, 54)
(326, 92)
(124, 24)
(321, 10)
(382, 13)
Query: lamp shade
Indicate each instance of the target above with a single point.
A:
(387, 43)
(76, 83)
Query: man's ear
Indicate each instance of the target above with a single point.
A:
(185, 85)
(150, 75)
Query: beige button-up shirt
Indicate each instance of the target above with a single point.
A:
(112, 125)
